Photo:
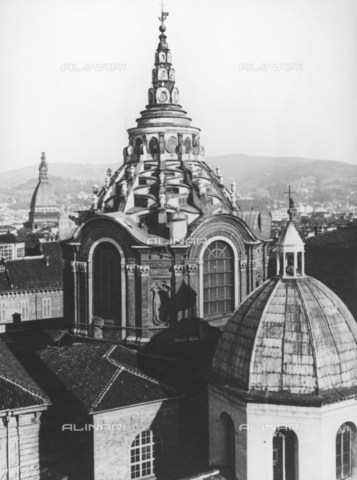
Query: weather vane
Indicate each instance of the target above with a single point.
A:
(163, 14)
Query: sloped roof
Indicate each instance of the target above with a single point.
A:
(104, 377)
(289, 336)
(17, 388)
(290, 237)
(340, 238)
(9, 238)
(32, 274)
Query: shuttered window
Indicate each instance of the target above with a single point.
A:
(218, 279)
(2, 311)
(46, 308)
(25, 309)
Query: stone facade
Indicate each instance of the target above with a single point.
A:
(25, 306)
(177, 271)
(254, 427)
(24, 454)
(112, 447)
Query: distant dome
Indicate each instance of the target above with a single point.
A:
(43, 196)
(289, 336)
(43, 208)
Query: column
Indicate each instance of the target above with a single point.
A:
(295, 263)
(284, 264)
(243, 279)
(131, 333)
(143, 272)
(179, 271)
(277, 263)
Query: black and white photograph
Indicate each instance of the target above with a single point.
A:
(178, 240)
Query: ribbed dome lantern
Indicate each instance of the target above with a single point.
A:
(292, 336)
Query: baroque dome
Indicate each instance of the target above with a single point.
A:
(291, 337)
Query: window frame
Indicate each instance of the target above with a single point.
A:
(25, 309)
(47, 307)
(340, 474)
(215, 292)
(237, 285)
(150, 465)
(7, 251)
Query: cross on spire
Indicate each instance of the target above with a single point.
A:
(289, 193)
(163, 14)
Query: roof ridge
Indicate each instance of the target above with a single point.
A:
(139, 373)
(106, 388)
(4, 377)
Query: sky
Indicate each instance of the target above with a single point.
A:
(301, 103)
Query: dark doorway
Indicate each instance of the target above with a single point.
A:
(107, 283)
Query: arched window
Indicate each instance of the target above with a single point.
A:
(344, 452)
(154, 145)
(146, 455)
(227, 442)
(107, 282)
(218, 279)
(285, 455)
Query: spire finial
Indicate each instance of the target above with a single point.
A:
(292, 209)
(162, 19)
(43, 167)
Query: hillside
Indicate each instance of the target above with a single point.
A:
(265, 179)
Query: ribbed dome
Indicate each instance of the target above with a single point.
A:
(43, 196)
(289, 336)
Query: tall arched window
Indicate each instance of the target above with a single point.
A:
(107, 282)
(227, 442)
(218, 279)
(146, 455)
(285, 455)
(344, 452)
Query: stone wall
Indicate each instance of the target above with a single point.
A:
(112, 442)
(24, 447)
(14, 303)
(255, 424)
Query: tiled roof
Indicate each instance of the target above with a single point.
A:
(17, 388)
(9, 238)
(33, 273)
(293, 336)
(340, 238)
(103, 377)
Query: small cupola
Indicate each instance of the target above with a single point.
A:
(290, 247)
